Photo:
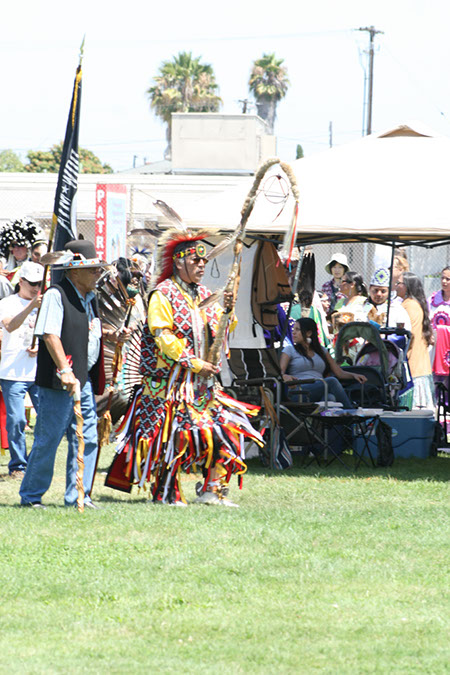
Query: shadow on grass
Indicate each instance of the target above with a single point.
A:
(101, 500)
(434, 468)
(112, 499)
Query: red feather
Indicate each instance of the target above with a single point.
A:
(166, 255)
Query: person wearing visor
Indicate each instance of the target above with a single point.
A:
(182, 418)
(18, 362)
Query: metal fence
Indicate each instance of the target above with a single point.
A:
(365, 258)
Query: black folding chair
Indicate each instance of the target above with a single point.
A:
(320, 436)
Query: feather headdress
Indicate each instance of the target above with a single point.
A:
(23, 232)
(167, 244)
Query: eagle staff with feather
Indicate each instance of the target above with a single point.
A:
(232, 284)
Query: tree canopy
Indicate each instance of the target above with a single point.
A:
(269, 84)
(183, 85)
(10, 161)
(48, 161)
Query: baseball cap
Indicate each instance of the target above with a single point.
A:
(31, 271)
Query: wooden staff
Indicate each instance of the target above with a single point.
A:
(80, 454)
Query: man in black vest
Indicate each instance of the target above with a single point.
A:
(70, 349)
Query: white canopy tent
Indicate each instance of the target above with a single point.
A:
(388, 187)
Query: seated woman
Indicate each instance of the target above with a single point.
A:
(307, 360)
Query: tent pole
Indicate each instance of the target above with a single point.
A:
(390, 283)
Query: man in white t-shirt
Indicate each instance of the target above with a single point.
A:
(18, 360)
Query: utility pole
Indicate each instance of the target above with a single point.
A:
(244, 105)
(372, 32)
(330, 134)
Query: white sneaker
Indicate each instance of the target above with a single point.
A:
(213, 498)
(178, 502)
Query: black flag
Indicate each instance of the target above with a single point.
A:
(64, 220)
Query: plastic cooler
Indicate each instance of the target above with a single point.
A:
(412, 434)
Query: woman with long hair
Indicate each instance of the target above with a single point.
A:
(409, 288)
(306, 359)
(355, 295)
(353, 286)
(400, 266)
(351, 308)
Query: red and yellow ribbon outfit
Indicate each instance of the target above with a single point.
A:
(179, 420)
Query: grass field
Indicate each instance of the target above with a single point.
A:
(318, 571)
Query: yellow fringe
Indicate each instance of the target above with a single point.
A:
(104, 426)
(117, 360)
(209, 439)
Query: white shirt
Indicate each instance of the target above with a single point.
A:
(397, 313)
(51, 318)
(5, 287)
(16, 364)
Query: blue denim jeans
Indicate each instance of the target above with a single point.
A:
(14, 396)
(316, 392)
(56, 418)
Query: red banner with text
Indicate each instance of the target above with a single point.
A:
(110, 221)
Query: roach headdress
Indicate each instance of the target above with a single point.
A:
(169, 243)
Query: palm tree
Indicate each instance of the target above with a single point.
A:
(268, 83)
(183, 85)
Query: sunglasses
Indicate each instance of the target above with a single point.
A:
(33, 283)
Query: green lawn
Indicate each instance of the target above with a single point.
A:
(318, 571)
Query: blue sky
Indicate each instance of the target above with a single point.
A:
(125, 45)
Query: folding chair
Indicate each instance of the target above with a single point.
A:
(443, 414)
(301, 421)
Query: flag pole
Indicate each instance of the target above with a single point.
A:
(63, 228)
(68, 169)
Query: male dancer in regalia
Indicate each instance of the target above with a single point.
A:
(181, 417)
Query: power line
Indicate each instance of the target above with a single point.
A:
(418, 83)
(11, 45)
